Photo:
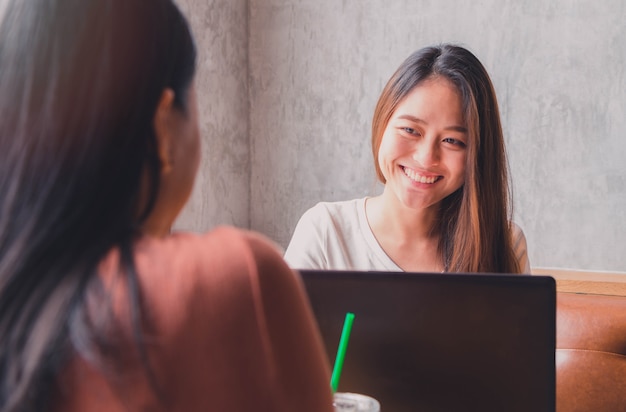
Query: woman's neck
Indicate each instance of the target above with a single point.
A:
(406, 235)
(390, 216)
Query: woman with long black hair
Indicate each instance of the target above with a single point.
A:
(101, 309)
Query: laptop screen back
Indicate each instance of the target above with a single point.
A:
(441, 342)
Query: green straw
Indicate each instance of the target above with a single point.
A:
(341, 351)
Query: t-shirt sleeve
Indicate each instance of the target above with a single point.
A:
(307, 248)
(520, 248)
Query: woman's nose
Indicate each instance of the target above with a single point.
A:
(426, 154)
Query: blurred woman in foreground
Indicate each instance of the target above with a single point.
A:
(101, 309)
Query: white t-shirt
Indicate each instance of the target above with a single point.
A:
(336, 235)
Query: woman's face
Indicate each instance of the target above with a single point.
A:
(424, 146)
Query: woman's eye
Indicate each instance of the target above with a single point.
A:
(454, 141)
(409, 130)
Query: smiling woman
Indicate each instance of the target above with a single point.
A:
(438, 149)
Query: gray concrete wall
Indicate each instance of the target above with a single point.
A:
(222, 191)
(315, 70)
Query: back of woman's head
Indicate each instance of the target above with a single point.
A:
(473, 220)
(80, 81)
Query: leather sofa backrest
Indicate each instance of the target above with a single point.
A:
(591, 353)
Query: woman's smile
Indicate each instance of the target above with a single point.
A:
(419, 177)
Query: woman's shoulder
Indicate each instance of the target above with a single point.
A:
(520, 247)
(217, 304)
(224, 252)
(241, 320)
(208, 275)
(517, 234)
(327, 219)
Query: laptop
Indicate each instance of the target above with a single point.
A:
(434, 342)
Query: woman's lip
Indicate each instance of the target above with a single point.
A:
(421, 177)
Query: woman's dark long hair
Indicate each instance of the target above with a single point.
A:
(474, 221)
(80, 81)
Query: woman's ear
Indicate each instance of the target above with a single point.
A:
(164, 124)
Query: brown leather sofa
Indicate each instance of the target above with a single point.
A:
(591, 353)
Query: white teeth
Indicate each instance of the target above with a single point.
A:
(419, 178)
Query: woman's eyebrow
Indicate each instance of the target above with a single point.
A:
(456, 128)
